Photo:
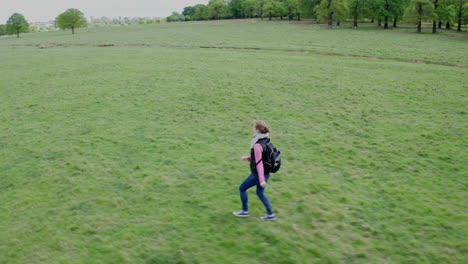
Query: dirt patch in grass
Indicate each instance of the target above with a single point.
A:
(54, 45)
(50, 45)
(106, 45)
(238, 48)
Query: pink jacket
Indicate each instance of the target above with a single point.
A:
(258, 149)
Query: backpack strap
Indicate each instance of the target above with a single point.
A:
(263, 143)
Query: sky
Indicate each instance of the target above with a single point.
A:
(46, 10)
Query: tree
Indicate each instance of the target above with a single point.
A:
(341, 12)
(376, 10)
(251, 6)
(174, 17)
(461, 8)
(260, 8)
(3, 30)
(189, 12)
(269, 9)
(308, 7)
(72, 18)
(418, 11)
(385, 10)
(33, 28)
(292, 7)
(237, 8)
(446, 13)
(17, 24)
(280, 9)
(332, 11)
(435, 16)
(216, 8)
(357, 9)
(398, 10)
(201, 12)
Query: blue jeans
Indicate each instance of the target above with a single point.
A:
(250, 182)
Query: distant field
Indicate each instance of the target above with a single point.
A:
(130, 153)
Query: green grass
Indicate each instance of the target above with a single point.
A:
(131, 153)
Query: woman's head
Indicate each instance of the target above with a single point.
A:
(261, 127)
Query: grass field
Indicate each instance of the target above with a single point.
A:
(131, 153)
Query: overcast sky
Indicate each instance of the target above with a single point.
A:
(46, 10)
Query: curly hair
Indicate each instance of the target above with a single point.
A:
(261, 126)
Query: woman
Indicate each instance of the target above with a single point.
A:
(259, 175)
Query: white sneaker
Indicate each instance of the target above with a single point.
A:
(241, 213)
(269, 217)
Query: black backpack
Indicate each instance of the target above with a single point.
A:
(272, 158)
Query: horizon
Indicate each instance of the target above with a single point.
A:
(47, 10)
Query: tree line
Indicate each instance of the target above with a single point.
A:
(92, 22)
(104, 21)
(70, 19)
(386, 13)
(20, 25)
